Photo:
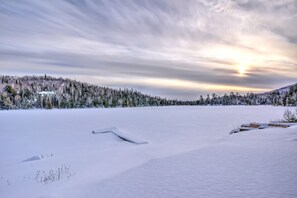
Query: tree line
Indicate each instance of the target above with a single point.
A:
(45, 92)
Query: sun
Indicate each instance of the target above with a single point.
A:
(242, 70)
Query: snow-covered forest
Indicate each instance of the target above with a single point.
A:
(46, 92)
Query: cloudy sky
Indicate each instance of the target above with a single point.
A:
(172, 48)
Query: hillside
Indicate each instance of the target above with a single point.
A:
(283, 90)
(49, 92)
(44, 92)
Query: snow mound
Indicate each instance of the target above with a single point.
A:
(122, 135)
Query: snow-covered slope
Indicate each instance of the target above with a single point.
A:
(282, 90)
(52, 153)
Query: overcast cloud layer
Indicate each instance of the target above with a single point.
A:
(172, 48)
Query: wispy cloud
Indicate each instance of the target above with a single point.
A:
(187, 48)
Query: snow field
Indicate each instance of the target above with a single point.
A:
(190, 153)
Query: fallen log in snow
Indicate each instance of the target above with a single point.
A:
(120, 134)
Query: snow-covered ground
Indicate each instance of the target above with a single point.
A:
(53, 153)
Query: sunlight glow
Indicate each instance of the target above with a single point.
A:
(177, 84)
(242, 70)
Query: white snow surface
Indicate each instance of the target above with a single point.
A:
(190, 153)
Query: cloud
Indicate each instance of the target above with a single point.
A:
(190, 42)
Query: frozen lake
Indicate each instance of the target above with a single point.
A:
(52, 153)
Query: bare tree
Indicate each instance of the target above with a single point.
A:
(290, 115)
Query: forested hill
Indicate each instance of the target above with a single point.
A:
(48, 92)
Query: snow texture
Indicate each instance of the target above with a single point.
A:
(190, 153)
